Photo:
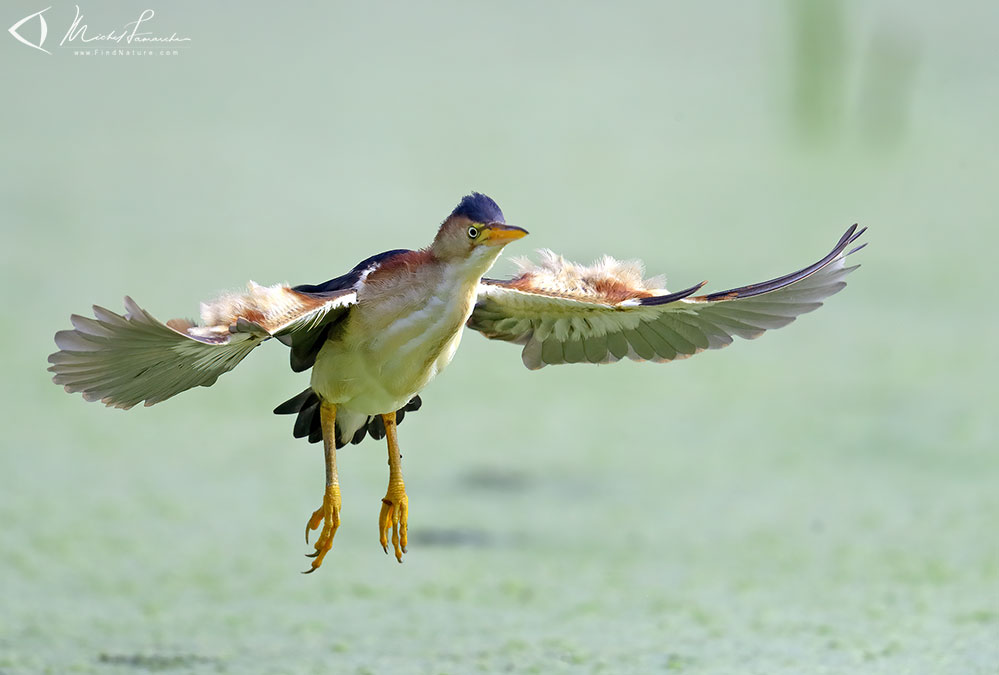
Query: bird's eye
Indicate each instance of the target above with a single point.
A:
(473, 232)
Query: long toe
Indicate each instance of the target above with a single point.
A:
(314, 522)
(329, 516)
(394, 516)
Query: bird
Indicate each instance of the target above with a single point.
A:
(376, 336)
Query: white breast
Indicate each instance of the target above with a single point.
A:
(396, 340)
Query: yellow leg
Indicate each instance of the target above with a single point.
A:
(395, 505)
(329, 513)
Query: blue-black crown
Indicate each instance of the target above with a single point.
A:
(479, 208)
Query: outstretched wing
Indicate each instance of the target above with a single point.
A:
(122, 360)
(562, 312)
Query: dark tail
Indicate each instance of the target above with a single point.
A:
(307, 424)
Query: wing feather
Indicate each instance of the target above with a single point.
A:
(618, 345)
(640, 344)
(123, 360)
(573, 351)
(676, 342)
(551, 351)
(595, 348)
(531, 354)
(562, 312)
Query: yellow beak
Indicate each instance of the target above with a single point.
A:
(499, 234)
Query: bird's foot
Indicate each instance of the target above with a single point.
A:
(394, 514)
(328, 515)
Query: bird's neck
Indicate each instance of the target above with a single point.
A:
(469, 270)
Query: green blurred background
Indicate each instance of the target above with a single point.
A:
(823, 500)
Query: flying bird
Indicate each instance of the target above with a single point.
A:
(377, 335)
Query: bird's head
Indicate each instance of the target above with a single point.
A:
(474, 234)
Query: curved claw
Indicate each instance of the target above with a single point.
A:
(329, 515)
(394, 513)
(314, 522)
